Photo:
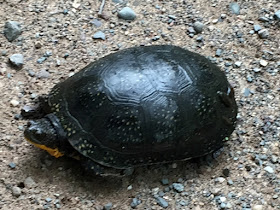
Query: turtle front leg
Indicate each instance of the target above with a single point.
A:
(97, 169)
(38, 110)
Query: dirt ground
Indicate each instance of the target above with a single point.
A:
(244, 176)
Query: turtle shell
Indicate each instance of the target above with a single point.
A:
(145, 105)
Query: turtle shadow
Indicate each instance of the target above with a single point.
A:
(68, 174)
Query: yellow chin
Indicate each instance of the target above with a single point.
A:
(54, 152)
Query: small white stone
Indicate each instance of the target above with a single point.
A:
(174, 165)
(155, 190)
(129, 187)
(263, 63)
(71, 74)
(269, 169)
(76, 4)
(257, 207)
(29, 182)
(215, 21)
(14, 102)
(220, 179)
(16, 191)
(223, 199)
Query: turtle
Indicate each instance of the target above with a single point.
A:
(139, 106)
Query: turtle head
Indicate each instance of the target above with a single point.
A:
(43, 134)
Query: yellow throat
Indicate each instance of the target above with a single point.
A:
(54, 152)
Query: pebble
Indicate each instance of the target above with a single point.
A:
(16, 60)
(108, 206)
(220, 179)
(215, 21)
(277, 15)
(12, 30)
(226, 172)
(12, 165)
(257, 207)
(256, 70)
(274, 159)
(178, 187)
(99, 35)
(230, 182)
(247, 92)
(223, 199)
(263, 33)
(162, 202)
(198, 26)
(118, 1)
(66, 55)
(234, 8)
(127, 14)
(41, 60)
(155, 38)
(199, 39)
(237, 64)
(96, 23)
(16, 191)
(249, 78)
(263, 63)
(263, 19)
(172, 17)
(269, 169)
(48, 200)
(257, 28)
(183, 203)
(174, 165)
(29, 182)
(135, 202)
(219, 52)
(43, 74)
(165, 181)
(47, 54)
(14, 102)
(191, 30)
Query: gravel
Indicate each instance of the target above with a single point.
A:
(277, 15)
(16, 60)
(165, 181)
(12, 165)
(16, 191)
(108, 206)
(198, 26)
(29, 182)
(127, 14)
(178, 187)
(263, 33)
(263, 63)
(12, 30)
(99, 35)
(162, 202)
(251, 64)
(269, 169)
(14, 102)
(234, 8)
(135, 202)
(257, 28)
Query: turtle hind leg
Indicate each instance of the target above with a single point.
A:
(94, 168)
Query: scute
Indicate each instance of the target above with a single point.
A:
(145, 105)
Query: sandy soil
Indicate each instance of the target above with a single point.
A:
(252, 150)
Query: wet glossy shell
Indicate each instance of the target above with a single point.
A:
(146, 105)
